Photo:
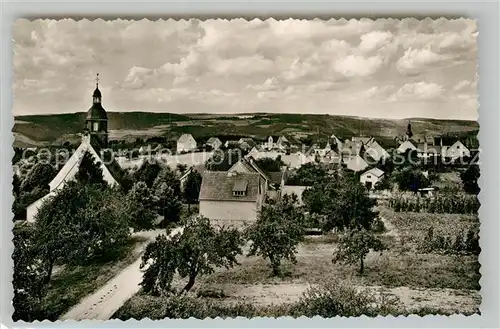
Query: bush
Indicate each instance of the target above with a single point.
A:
(332, 299)
(441, 204)
(451, 244)
(343, 299)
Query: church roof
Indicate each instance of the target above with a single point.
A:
(97, 93)
(96, 112)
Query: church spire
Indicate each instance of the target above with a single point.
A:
(96, 96)
(409, 133)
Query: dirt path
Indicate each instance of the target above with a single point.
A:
(108, 299)
(449, 300)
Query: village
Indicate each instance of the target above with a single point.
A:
(255, 226)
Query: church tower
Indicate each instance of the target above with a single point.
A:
(96, 122)
(409, 133)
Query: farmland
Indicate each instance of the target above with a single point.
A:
(36, 130)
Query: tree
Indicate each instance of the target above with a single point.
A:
(355, 245)
(168, 176)
(90, 171)
(38, 177)
(410, 179)
(192, 188)
(168, 203)
(223, 160)
(140, 205)
(307, 175)
(279, 228)
(470, 179)
(198, 250)
(270, 164)
(79, 224)
(148, 172)
(342, 200)
(28, 276)
(181, 167)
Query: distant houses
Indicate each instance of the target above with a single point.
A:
(186, 143)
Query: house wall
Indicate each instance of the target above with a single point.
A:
(229, 210)
(457, 150)
(369, 178)
(187, 146)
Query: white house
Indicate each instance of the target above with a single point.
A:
(186, 143)
(371, 177)
(406, 145)
(214, 143)
(376, 151)
(231, 196)
(356, 163)
(457, 150)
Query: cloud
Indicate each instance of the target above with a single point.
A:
(238, 65)
(358, 66)
(417, 91)
(414, 61)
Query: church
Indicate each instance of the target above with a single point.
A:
(94, 140)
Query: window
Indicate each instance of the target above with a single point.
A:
(239, 193)
(368, 176)
(95, 126)
(458, 146)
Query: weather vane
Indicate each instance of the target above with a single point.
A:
(97, 80)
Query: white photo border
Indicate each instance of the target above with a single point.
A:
(486, 14)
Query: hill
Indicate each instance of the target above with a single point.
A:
(38, 130)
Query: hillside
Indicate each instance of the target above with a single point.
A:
(37, 130)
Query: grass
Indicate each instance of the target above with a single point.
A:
(75, 282)
(391, 269)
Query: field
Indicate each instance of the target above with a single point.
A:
(433, 282)
(36, 130)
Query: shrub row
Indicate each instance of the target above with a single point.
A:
(441, 204)
(330, 300)
(456, 244)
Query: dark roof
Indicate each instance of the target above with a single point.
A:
(97, 93)
(110, 160)
(275, 177)
(96, 112)
(219, 186)
(240, 186)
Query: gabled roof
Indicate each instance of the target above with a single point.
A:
(356, 163)
(186, 138)
(213, 140)
(219, 185)
(111, 171)
(375, 172)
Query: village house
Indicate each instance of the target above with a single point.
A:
(94, 138)
(186, 143)
(371, 177)
(231, 195)
(376, 151)
(406, 146)
(214, 143)
(457, 150)
(356, 163)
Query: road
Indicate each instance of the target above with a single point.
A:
(103, 303)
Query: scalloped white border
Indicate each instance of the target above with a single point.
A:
(487, 19)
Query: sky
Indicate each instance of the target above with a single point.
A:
(385, 68)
